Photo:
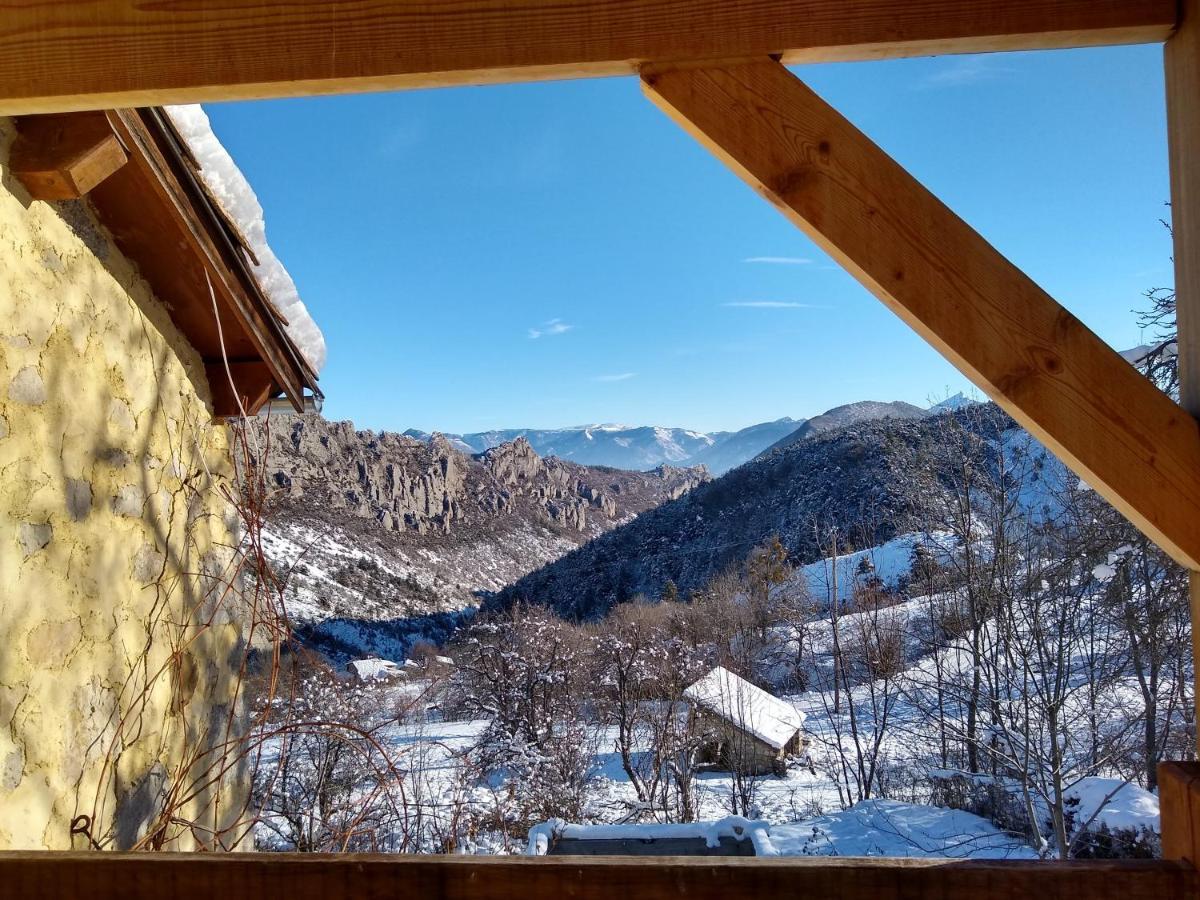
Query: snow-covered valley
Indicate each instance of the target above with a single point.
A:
(999, 678)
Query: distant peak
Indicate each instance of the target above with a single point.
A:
(957, 401)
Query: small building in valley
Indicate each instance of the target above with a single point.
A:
(748, 730)
(373, 669)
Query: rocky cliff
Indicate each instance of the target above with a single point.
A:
(382, 527)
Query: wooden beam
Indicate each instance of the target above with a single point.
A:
(311, 876)
(58, 56)
(1182, 58)
(63, 157)
(1179, 808)
(1121, 434)
(244, 388)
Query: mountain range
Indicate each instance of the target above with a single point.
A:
(852, 478)
(641, 448)
(382, 538)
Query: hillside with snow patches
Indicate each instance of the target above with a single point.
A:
(876, 777)
(812, 808)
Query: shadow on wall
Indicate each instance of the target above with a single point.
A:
(123, 622)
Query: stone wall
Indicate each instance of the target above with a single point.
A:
(120, 637)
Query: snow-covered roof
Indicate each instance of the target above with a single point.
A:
(749, 708)
(541, 836)
(232, 191)
(374, 669)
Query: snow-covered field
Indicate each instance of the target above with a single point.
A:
(808, 810)
(801, 808)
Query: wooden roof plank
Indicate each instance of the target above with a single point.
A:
(1110, 424)
(58, 56)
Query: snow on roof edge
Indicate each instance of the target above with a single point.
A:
(225, 180)
(771, 720)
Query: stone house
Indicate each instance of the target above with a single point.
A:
(746, 729)
(139, 308)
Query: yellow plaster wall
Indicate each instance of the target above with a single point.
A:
(119, 637)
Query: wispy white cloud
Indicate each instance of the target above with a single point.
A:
(623, 376)
(549, 329)
(778, 260)
(964, 70)
(773, 304)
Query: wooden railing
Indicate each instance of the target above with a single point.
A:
(267, 876)
(272, 876)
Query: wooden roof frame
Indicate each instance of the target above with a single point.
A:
(713, 65)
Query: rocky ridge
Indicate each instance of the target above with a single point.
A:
(383, 527)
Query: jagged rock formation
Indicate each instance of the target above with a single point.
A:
(408, 485)
(384, 527)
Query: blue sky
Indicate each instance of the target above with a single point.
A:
(561, 253)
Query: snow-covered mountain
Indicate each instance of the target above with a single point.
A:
(730, 449)
(637, 448)
(955, 401)
(645, 447)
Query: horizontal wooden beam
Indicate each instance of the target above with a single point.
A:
(1114, 428)
(304, 876)
(63, 157)
(111, 53)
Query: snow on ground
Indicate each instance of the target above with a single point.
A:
(891, 562)
(1114, 803)
(311, 555)
(227, 183)
(891, 828)
(791, 806)
(805, 807)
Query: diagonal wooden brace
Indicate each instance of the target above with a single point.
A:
(1114, 428)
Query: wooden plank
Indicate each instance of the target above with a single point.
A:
(252, 386)
(1179, 808)
(1182, 59)
(58, 56)
(304, 876)
(1122, 435)
(62, 157)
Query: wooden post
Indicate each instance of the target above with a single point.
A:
(1182, 59)
(252, 386)
(1179, 808)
